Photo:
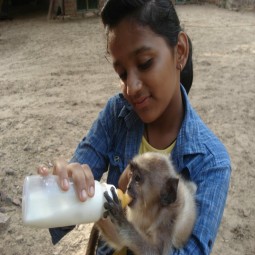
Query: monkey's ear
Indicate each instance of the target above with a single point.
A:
(168, 193)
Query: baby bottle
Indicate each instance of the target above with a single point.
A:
(45, 205)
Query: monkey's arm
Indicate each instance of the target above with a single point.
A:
(127, 234)
(110, 233)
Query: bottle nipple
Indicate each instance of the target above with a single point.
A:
(124, 198)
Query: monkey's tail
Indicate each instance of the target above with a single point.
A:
(92, 243)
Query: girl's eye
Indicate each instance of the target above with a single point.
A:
(146, 65)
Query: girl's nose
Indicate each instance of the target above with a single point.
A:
(134, 84)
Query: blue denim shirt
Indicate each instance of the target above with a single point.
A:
(115, 138)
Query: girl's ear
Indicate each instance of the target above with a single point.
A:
(182, 50)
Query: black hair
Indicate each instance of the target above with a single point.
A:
(159, 15)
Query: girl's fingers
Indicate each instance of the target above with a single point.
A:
(42, 170)
(60, 169)
(78, 176)
(124, 179)
(81, 174)
(83, 180)
(89, 177)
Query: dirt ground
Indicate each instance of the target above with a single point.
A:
(54, 80)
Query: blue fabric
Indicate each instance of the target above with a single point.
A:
(58, 233)
(115, 138)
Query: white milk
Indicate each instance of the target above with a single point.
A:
(45, 205)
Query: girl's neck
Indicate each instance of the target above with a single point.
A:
(163, 132)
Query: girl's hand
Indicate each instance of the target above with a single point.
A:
(81, 174)
(124, 179)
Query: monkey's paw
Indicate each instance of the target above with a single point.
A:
(114, 209)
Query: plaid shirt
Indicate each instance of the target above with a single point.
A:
(115, 138)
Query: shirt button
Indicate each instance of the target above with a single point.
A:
(116, 159)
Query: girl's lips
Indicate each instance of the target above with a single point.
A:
(141, 102)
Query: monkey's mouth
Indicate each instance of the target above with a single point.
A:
(133, 200)
(132, 203)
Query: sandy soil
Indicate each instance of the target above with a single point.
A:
(54, 79)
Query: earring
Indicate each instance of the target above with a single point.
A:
(179, 67)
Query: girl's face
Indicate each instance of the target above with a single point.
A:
(146, 66)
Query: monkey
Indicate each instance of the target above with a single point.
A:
(162, 212)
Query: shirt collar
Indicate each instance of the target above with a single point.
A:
(188, 141)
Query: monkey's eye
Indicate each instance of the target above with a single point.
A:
(137, 178)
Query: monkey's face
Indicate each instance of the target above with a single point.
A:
(152, 181)
(134, 185)
(140, 187)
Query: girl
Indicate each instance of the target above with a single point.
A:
(149, 51)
